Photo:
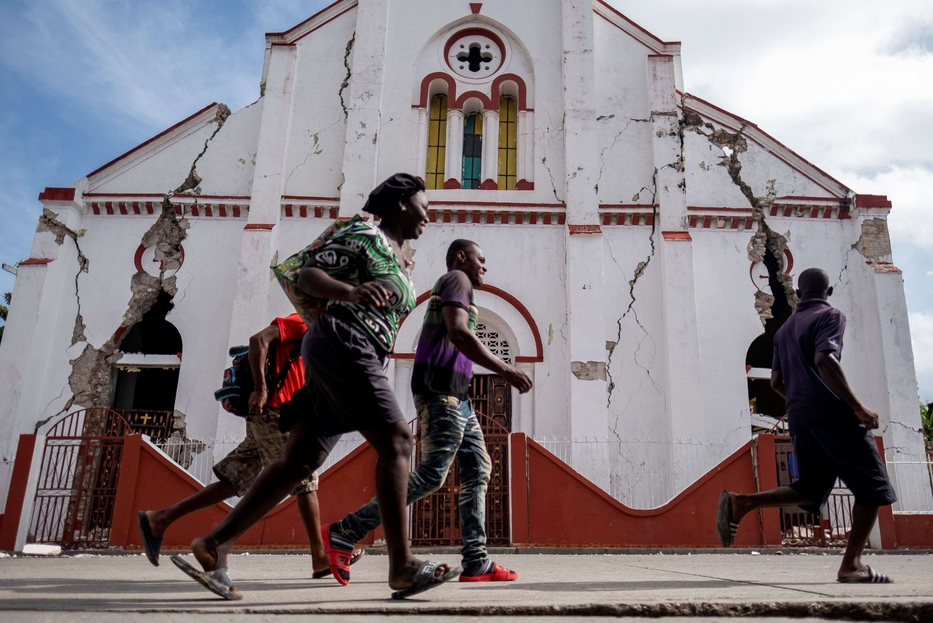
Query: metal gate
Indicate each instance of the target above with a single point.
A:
(435, 520)
(78, 480)
(828, 529)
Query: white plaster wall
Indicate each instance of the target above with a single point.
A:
(226, 168)
(160, 170)
(317, 131)
(623, 113)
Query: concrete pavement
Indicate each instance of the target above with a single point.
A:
(591, 585)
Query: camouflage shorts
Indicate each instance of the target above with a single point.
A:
(264, 444)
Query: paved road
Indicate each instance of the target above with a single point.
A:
(48, 589)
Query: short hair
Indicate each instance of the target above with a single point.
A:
(460, 244)
(384, 199)
(813, 281)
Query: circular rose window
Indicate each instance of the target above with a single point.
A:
(475, 53)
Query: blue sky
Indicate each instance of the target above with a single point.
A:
(848, 84)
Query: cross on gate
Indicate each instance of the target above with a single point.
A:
(475, 57)
(145, 419)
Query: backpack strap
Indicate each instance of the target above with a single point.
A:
(279, 379)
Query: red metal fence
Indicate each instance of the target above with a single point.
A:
(78, 480)
(829, 529)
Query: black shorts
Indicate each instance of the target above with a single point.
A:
(347, 388)
(845, 452)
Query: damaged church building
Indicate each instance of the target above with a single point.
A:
(642, 246)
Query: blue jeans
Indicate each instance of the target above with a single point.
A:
(449, 429)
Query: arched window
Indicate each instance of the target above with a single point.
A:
(508, 143)
(437, 142)
(472, 150)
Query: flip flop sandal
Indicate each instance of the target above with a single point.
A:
(217, 581)
(726, 527)
(425, 580)
(498, 574)
(317, 575)
(151, 545)
(339, 558)
(873, 577)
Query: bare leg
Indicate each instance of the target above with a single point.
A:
(159, 521)
(303, 454)
(782, 496)
(393, 443)
(310, 512)
(863, 520)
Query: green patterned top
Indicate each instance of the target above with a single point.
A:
(359, 253)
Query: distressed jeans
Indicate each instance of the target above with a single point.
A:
(449, 429)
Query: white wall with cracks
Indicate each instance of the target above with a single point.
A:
(639, 282)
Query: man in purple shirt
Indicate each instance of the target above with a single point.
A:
(440, 381)
(829, 427)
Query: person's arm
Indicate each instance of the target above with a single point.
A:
(457, 321)
(259, 346)
(831, 372)
(777, 384)
(314, 281)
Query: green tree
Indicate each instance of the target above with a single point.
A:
(4, 310)
(926, 416)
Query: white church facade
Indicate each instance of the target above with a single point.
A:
(642, 243)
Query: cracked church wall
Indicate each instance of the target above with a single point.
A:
(623, 112)
(227, 168)
(318, 127)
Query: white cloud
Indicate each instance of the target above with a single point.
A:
(921, 337)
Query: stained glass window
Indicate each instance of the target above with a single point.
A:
(508, 142)
(472, 150)
(437, 142)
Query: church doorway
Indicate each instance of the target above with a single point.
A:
(147, 373)
(435, 520)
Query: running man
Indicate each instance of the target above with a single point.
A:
(264, 443)
(829, 428)
(440, 381)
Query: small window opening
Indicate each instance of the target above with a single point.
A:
(508, 143)
(472, 151)
(437, 142)
(475, 57)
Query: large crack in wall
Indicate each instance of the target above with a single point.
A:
(766, 245)
(91, 379)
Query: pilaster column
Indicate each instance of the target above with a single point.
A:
(490, 150)
(361, 151)
(584, 242)
(251, 310)
(419, 157)
(453, 153)
(683, 388)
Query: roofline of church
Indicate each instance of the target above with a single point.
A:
(325, 15)
(153, 139)
(751, 131)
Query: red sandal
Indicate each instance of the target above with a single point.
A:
(497, 574)
(338, 558)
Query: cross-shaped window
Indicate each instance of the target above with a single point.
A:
(475, 57)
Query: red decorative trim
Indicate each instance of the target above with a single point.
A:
(455, 102)
(312, 18)
(524, 185)
(57, 194)
(475, 7)
(861, 201)
(36, 261)
(613, 10)
(744, 122)
(676, 235)
(522, 90)
(138, 257)
(489, 185)
(484, 100)
(451, 184)
(154, 138)
(881, 267)
(538, 357)
(497, 204)
(473, 31)
(260, 226)
(584, 229)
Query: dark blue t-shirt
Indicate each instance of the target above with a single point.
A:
(815, 327)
